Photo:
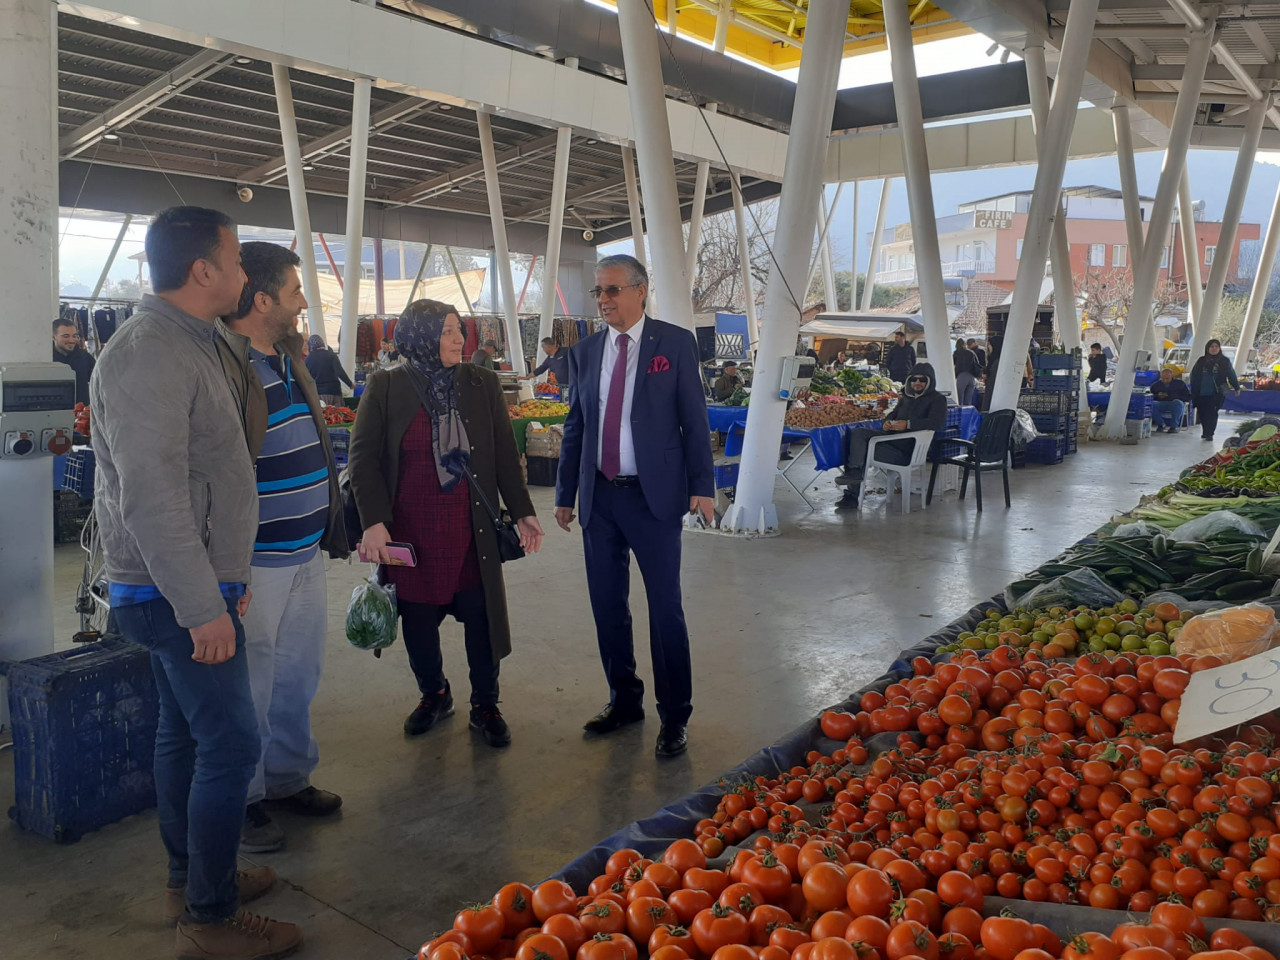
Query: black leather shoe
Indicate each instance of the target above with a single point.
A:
(611, 718)
(310, 802)
(673, 740)
(488, 720)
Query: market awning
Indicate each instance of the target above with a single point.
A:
(863, 326)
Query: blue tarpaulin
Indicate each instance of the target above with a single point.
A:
(1253, 401)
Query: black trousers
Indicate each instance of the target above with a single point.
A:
(855, 460)
(421, 625)
(621, 525)
(1207, 413)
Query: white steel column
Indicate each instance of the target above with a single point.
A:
(1046, 202)
(417, 280)
(351, 267)
(502, 255)
(696, 211)
(1148, 268)
(1261, 283)
(753, 511)
(853, 277)
(721, 38)
(633, 203)
(873, 261)
(825, 216)
(915, 162)
(1130, 196)
(1230, 225)
(828, 268)
(555, 226)
(28, 273)
(457, 275)
(1064, 291)
(298, 199)
(111, 257)
(744, 260)
(647, 95)
(1190, 248)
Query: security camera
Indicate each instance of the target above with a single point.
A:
(588, 235)
(244, 193)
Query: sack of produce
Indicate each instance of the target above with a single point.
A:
(1233, 634)
(1211, 524)
(371, 615)
(1079, 588)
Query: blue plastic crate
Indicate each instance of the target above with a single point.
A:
(1057, 383)
(726, 475)
(1141, 407)
(1058, 402)
(1047, 450)
(59, 471)
(1053, 423)
(84, 730)
(1055, 361)
(78, 476)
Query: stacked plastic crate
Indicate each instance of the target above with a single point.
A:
(1053, 402)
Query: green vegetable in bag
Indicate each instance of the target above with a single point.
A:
(371, 615)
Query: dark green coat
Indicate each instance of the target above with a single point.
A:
(386, 410)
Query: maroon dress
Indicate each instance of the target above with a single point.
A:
(435, 521)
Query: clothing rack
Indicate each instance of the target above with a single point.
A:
(105, 312)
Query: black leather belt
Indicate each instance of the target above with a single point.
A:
(621, 481)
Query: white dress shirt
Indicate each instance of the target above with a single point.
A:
(626, 446)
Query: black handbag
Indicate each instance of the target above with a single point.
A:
(503, 526)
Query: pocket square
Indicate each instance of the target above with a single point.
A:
(659, 364)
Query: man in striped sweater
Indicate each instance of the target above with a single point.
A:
(299, 515)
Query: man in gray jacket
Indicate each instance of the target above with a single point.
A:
(177, 510)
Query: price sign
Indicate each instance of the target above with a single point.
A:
(1226, 696)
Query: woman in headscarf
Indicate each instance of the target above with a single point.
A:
(326, 370)
(408, 479)
(1208, 383)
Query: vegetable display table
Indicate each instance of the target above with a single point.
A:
(722, 418)
(1253, 401)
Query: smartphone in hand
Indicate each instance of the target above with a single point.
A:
(401, 554)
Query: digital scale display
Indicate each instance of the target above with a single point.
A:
(34, 396)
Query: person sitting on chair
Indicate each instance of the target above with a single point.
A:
(1172, 397)
(921, 407)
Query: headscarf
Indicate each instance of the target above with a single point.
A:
(417, 340)
(314, 343)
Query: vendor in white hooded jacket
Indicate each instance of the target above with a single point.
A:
(920, 407)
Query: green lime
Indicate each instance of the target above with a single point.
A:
(1158, 648)
(1132, 643)
(1097, 645)
(1111, 641)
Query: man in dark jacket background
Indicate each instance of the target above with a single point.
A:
(921, 407)
(900, 358)
(299, 516)
(1097, 364)
(68, 349)
(1172, 397)
(326, 370)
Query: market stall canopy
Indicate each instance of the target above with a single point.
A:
(863, 326)
(444, 289)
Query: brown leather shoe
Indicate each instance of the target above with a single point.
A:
(253, 883)
(246, 936)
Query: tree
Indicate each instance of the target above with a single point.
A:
(718, 269)
(1105, 296)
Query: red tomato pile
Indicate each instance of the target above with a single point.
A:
(81, 425)
(1012, 775)
(337, 416)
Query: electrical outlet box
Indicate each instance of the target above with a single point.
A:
(37, 409)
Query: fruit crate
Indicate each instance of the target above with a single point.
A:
(1057, 383)
(1055, 361)
(84, 730)
(340, 440)
(1141, 407)
(542, 471)
(1046, 450)
(1060, 403)
(1054, 423)
(78, 476)
(69, 516)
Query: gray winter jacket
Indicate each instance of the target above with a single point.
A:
(174, 491)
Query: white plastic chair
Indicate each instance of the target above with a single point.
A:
(905, 471)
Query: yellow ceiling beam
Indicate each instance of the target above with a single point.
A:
(781, 19)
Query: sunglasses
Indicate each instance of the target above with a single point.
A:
(611, 291)
(917, 379)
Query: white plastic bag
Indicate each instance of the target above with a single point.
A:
(1138, 528)
(1203, 528)
(1024, 428)
(1080, 587)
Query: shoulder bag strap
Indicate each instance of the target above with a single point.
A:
(429, 404)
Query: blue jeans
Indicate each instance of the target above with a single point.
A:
(206, 749)
(1168, 413)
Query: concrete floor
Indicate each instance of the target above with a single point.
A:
(780, 629)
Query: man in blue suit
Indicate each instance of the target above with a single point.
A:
(637, 457)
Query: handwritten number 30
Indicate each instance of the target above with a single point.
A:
(1230, 702)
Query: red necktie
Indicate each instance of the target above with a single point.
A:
(611, 455)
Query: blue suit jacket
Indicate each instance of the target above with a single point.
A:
(668, 423)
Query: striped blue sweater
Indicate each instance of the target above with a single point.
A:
(293, 474)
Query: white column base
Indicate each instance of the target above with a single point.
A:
(738, 521)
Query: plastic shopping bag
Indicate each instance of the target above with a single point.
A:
(1232, 634)
(371, 615)
(1079, 588)
(1205, 527)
